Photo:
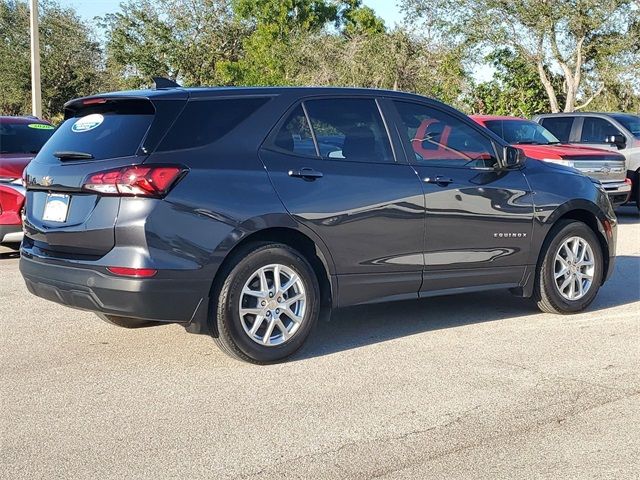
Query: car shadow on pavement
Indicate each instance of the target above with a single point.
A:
(6, 254)
(628, 215)
(364, 325)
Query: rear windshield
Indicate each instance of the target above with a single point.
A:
(23, 138)
(630, 122)
(205, 121)
(111, 130)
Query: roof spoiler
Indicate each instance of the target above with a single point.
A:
(161, 82)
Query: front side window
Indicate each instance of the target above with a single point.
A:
(630, 122)
(349, 129)
(437, 137)
(597, 130)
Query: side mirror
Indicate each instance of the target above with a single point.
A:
(618, 140)
(512, 157)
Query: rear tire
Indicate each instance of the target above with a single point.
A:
(570, 270)
(257, 318)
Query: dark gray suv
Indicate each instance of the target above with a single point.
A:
(244, 212)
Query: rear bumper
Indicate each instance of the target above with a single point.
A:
(618, 192)
(172, 296)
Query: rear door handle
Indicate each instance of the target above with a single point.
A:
(439, 180)
(306, 173)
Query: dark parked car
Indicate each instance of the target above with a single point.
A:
(20, 139)
(619, 132)
(242, 212)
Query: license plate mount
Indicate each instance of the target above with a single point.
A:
(56, 208)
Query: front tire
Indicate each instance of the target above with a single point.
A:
(570, 271)
(267, 305)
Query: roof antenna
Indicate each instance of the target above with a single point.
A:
(161, 82)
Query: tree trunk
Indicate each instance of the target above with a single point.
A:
(553, 99)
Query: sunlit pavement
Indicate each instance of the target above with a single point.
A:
(478, 386)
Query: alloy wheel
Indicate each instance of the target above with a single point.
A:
(574, 268)
(272, 305)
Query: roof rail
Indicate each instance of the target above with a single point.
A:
(161, 82)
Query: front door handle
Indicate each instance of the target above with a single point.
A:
(306, 173)
(439, 180)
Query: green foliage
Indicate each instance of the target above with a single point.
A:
(193, 42)
(547, 55)
(70, 64)
(514, 90)
(591, 42)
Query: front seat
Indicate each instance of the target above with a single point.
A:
(360, 145)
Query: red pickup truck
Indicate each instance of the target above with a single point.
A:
(20, 139)
(539, 143)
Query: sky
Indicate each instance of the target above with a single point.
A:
(387, 9)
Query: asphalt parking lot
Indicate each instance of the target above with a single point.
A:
(480, 386)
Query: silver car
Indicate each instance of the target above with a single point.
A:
(613, 131)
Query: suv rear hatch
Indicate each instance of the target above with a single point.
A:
(98, 134)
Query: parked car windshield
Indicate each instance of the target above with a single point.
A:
(630, 122)
(23, 138)
(521, 132)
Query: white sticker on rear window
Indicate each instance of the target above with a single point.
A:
(87, 123)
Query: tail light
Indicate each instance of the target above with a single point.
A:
(137, 181)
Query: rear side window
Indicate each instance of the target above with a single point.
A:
(349, 129)
(597, 130)
(559, 126)
(110, 130)
(439, 138)
(205, 121)
(23, 138)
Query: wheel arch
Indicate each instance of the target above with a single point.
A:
(312, 251)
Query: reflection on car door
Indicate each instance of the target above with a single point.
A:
(333, 166)
(479, 218)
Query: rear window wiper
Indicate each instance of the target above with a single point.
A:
(73, 155)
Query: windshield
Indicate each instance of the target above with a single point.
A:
(630, 122)
(521, 131)
(23, 138)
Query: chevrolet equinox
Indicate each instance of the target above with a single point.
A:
(244, 213)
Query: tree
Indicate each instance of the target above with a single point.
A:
(389, 60)
(587, 41)
(70, 64)
(515, 88)
(194, 41)
(274, 23)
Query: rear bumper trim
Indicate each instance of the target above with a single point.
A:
(174, 297)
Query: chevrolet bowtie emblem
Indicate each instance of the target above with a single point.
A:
(46, 181)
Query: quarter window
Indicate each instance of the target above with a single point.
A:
(205, 121)
(295, 135)
(437, 137)
(597, 130)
